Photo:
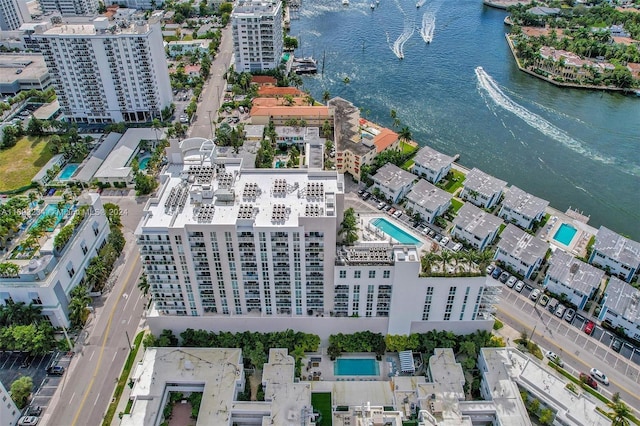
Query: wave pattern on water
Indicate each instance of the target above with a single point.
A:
(493, 90)
(428, 26)
(407, 33)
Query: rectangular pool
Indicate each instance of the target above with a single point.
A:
(68, 171)
(52, 210)
(565, 234)
(356, 367)
(394, 232)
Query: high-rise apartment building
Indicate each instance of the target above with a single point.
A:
(13, 13)
(224, 246)
(257, 35)
(108, 72)
(70, 7)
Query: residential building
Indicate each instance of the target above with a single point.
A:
(507, 371)
(520, 251)
(42, 177)
(522, 208)
(475, 226)
(482, 189)
(616, 254)
(13, 13)
(70, 7)
(567, 275)
(22, 72)
(142, 4)
(428, 200)
(621, 307)
(282, 115)
(182, 47)
(47, 279)
(9, 412)
(431, 164)
(108, 72)
(257, 35)
(393, 182)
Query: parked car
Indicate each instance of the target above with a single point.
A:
(588, 380)
(496, 272)
(511, 281)
(599, 376)
(519, 286)
(425, 232)
(588, 327)
(28, 421)
(560, 311)
(534, 294)
(387, 208)
(437, 238)
(184, 118)
(457, 247)
(555, 358)
(366, 196)
(444, 241)
(397, 214)
(544, 300)
(391, 211)
(381, 205)
(55, 370)
(490, 269)
(616, 345)
(568, 316)
(552, 305)
(33, 410)
(432, 233)
(504, 277)
(360, 191)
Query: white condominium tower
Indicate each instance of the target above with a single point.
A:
(70, 7)
(219, 239)
(108, 72)
(13, 13)
(257, 35)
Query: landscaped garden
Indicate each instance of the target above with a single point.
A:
(20, 163)
(454, 180)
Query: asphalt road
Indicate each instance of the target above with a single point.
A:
(214, 88)
(579, 351)
(87, 387)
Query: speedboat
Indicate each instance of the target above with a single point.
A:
(345, 2)
(418, 5)
(373, 6)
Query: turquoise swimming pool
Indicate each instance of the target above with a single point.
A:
(394, 232)
(68, 171)
(565, 234)
(144, 163)
(52, 210)
(356, 367)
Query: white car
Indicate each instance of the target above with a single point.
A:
(534, 294)
(397, 213)
(381, 205)
(519, 286)
(28, 421)
(599, 376)
(553, 357)
(457, 247)
(444, 241)
(511, 281)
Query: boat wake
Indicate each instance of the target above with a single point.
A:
(428, 25)
(421, 3)
(398, 45)
(493, 90)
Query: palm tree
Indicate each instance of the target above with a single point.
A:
(619, 411)
(349, 226)
(445, 257)
(405, 134)
(143, 285)
(326, 96)
(427, 261)
(484, 258)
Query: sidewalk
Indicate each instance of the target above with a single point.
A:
(508, 334)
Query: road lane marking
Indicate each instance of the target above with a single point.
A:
(92, 353)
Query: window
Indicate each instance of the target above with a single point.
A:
(96, 229)
(84, 248)
(356, 274)
(386, 274)
(372, 274)
(343, 274)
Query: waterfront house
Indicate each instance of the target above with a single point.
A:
(520, 251)
(428, 200)
(567, 275)
(616, 254)
(522, 208)
(46, 279)
(393, 182)
(482, 189)
(621, 307)
(475, 226)
(431, 164)
(312, 115)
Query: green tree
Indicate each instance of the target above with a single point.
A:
(143, 284)
(546, 416)
(78, 306)
(112, 211)
(619, 411)
(326, 95)
(405, 134)
(349, 227)
(21, 390)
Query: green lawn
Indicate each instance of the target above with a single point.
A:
(19, 164)
(322, 403)
(456, 181)
(501, 228)
(407, 148)
(408, 164)
(457, 204)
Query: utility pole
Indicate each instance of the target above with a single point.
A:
(128, 340)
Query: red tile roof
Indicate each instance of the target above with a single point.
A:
(272, 102)
(270, 91)
(292, 111)
(264, 80)
(384, 139)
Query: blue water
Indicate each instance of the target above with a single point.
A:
(565, 234)
(51, 210)
(144, 163)
(280, 164)
(356, 367)
(68, 171)
(574, 148)
(394, 232)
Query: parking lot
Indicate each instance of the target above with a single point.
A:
(14, 365)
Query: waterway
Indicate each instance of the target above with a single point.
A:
(575, 148)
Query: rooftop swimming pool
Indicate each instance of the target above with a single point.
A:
(51, 210)
(356, 367)
(394, 232)
(565, 234)
(68, 171)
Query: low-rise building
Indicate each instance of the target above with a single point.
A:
(431, 164)
(482, 189)
(22, 72)
(254, 132)
(522, 208)
(567, 275)
(46, 280)
(281, 115)
(621, 307)
(475, 226)
(393, 182)
(616, 254)
(520, 251)
(182, 47)
(428, 200)
(43, 176)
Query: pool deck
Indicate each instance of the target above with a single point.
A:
(324, 371)
(584, 232)
(370, 232)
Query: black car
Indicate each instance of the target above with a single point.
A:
(55, 370)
